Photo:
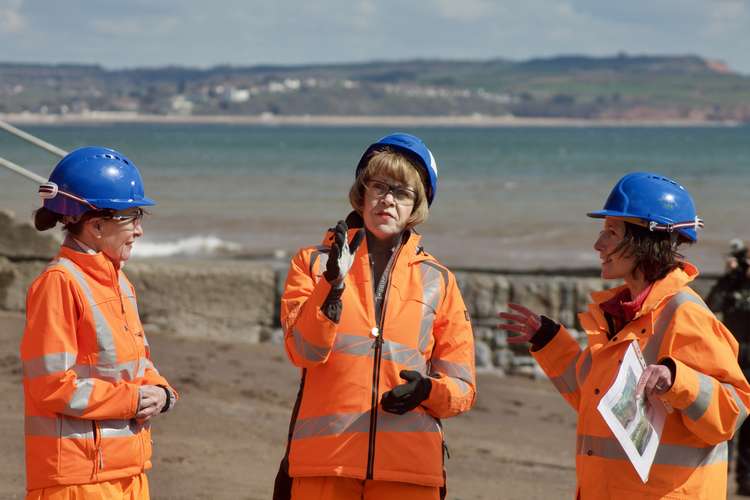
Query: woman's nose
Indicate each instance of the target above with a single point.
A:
(388, 198)
(598, 244)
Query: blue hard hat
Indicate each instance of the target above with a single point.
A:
(413, 147)
(92, 178)
(660, 202)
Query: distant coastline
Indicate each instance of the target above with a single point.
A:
(95, 117)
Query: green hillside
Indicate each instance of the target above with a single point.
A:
(620, 87)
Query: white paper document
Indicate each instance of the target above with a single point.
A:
(636, 423)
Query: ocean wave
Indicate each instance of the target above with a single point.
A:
(192, 246)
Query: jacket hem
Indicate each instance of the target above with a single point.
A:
(396, 476)
(102, 476)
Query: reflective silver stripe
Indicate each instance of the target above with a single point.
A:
(651, 350)
(62, 426)
(585, 367)
(738, 401)
(431, 278)
(116, 372)
(356, 345)
(127, 291)
(346, 423)
(80, 399)
(411, 421)
(457, 371)
(684, 456)
(48, 364)
(145, 363)
(307, 350)
(104, 337)
(698, 407)
(327, 425)
(666, 454)
(567, 382)
(68, 427)
(63, 361)
(121, 428)
(404, 355)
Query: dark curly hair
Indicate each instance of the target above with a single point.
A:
(655, 252)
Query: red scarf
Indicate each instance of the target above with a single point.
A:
(622, 308)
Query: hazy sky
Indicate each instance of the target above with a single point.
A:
(130, 33)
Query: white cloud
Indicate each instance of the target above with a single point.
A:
(245, 32)
(11, 19)
(466, 10)
(728, 15)
(140, 27)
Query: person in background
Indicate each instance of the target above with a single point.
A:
(730, 297)
(90, 388)
(691, 356)
(382, 336)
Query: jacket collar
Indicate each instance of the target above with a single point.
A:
(96, 265)
(661, 290)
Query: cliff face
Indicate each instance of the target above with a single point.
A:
(233, 300)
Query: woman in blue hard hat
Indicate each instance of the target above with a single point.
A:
(90, 388)
(691, 358)
(380, 331)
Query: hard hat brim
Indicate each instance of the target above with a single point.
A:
(600, 214)
(123, 204)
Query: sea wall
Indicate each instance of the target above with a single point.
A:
(237, 300)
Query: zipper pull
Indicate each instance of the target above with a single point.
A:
(375, 334)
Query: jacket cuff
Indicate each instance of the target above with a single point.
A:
(686, 385)
(547, 331)
(135, 398)
(332, 305)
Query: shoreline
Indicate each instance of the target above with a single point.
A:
(115, 117)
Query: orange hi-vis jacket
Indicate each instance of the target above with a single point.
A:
(710, 395)
(84, 355)
(338, 427)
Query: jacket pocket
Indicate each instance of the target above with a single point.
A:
(75, 446)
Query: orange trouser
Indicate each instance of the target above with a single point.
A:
(344, 488)
(127, 488)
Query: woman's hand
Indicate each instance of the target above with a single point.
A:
(522, 321)
(655, 381)
(152, 399)
(341, 255)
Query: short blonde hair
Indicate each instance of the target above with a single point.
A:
(389, 163)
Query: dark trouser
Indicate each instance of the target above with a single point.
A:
(741, 448)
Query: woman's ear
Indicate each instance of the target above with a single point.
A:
(93, 227)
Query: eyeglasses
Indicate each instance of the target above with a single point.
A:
(401, 195)
(134, 217)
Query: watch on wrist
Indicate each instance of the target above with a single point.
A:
(168, 404)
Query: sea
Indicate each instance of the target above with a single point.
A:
(509, 198)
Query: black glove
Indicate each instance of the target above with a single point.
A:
(340, 259)
(406, 397)
(341, 255)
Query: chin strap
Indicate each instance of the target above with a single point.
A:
(49, 190)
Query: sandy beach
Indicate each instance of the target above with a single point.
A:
(227, 434)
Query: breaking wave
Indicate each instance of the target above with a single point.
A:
(192, 246)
